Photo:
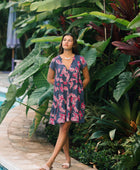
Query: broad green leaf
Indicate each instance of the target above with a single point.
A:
(5, 107)
(100, 5)
(81, 22)
(2, 5)
(134, 35)
(35, 96)
(101, 46)
(97, 134)
(11, 3)
(109, 72)
(83, 43)
(103, 16)
(8, 103)
(75, 11)
(127, 110)
(22, 89)
(82, 32)
(39, 61)
(47, 95)
(25, 3)
(123, 85)
(42, 16)
(138, 119)
(90, 55)
(21, 31)
(49, 5)
(28, 61)
(48, 39)
(11, 92)
(38, 117)
(135, 22)
(40, 78)
(112, 134)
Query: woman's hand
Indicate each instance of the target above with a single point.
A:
(50, 76)
(86, 76)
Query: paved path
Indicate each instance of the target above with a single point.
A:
(19, 152)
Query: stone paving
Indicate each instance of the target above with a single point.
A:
(18, 151)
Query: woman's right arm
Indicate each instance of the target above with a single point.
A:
(50, 76)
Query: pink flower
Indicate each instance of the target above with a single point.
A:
(82, 60)
(83, 106)
(58, 62)
(65, 83)
(78, 63)
(80, 113)
(61, 88)
(61, 109)
(75, 87)
(65, 88)
(71, 84)
(59, 70)
(74, 74)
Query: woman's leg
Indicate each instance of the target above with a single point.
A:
(62, 137)
(66, 149)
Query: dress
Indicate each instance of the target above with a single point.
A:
(68, 97)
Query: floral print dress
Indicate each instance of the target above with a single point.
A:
(68, 97)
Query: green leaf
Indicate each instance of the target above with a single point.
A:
(138, 119)
(47, 95)
(109, 72)
(27, 62)
(35, 96)
(39, 61)
(103, 16)
(48, 39)
(22, 89)
(134, 35)
(112, 134)
(11, 98)
(101, 46)
(11, 92)
(49, 5)
(124, 84)
(135, 22)
(40, 78)
(90, 55)
(96, 135)
(33, 69)
(82, 32)
(38, 117)
(81, 22)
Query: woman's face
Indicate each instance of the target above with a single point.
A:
(67, 42)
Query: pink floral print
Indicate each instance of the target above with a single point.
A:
(68, 98)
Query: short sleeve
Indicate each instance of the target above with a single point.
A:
(52, 64)
(83, 62)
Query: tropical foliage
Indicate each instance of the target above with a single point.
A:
(109, 38)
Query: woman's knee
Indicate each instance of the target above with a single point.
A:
(65, 127)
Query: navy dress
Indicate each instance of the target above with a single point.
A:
(68, 97)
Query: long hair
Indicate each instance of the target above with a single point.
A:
(74, 48)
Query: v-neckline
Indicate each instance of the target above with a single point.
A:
(65, 65)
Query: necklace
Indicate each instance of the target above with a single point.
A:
(67, 58)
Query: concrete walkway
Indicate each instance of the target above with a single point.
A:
(18, 151)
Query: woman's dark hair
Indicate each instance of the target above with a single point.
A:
(74, 48)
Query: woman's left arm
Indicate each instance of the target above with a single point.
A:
(86, 76)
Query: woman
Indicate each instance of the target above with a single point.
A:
(68, 99)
